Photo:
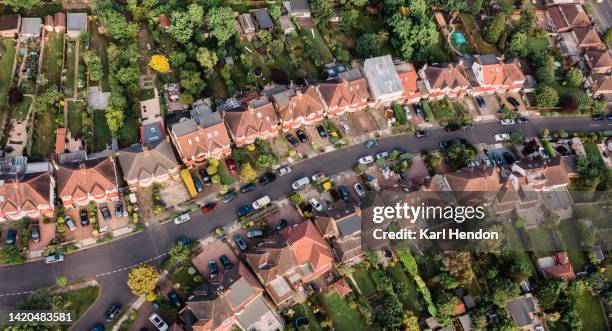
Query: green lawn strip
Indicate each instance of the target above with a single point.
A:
(542, 238)
(364, 281)
(438, 52)
(592, 152)
(81, 299)
(303, 310)
(147, 94)
(344, 317)
(517, 247)
(216, 86)
(53, 57)
(101, 133)
(598, 216)
(590, 312)
(507, 5)
(69, 65)
(412, 299)
(536, 45)
(99, 44)
(185, 281)
(44, 133)
(75, 124)
(20, 110)
(571, 238)
(313, 34)
(6, 67)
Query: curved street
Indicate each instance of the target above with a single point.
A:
(109, 263)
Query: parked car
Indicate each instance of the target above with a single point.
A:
(112, 312)
(182, 218)
(507, 121)
(158, 322)
(597, 117)
(267, 178)
(284, 170)
(522, 120)
(360, 190)
(230, 196)
(184, 241)
(301, 135)
(244, 210)
(105, 213)
(318, 176)
(298, 184)
(209, 206)
(467, 126)
(452, 127)
(35, 234)
(322, 132)
(344, 192)
(422, 133)
(481, 102)
(84, 217)
(513, 101)
(316, 204)
(501, 137)
(508, 157)
(11, 236)
(344, 127)
(205, 177)
(281, 224)
(97, 327)
(119, 209)
(407, 111)
(417, 109)
(231, 165)
(248, 188)
(261, 202)
(371, 143)
(240, 242)
(366, 159)
(226, 262)
(212, 266)
(255, 233)
(70, 223)
(291, 139)
(174, 298)
(198, 184)
(609, 117)
(55, 258)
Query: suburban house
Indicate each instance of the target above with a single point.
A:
(28, 192)
(564, 18)
(10, 25)
(557, 266)
(524, 312)
(75, 24)
(262, 18)
(542, 174)
(346, 94)
(247, 25)
(599, 62)
(445, 80)
(599, 84)
(491, 75)
(84, 180)
(480, 183)
(300, 106)
(588, 39)
(383, 80)
(342, 227)
(409, 78)
(286, 24)
(297, 8)
(514, 194)
(146, 164)
(234, 298)
(258, 120)
(196, 142)
(30, 28)
(296, 256)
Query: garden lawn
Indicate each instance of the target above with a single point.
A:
(571, 238)
(344, 317)
(6, 67)
(472, 31)
(592, 152)
(182, 277)
(536, 45)
(20, 110)
(517, 247)
(542, 238)
(44, 133)
(80, 300)
(75, 124)
(364, 281)
(147, 94)
(216, 85)
(322, 49)
(99, 44)
(101, 133)
(596, 215)
(69, 65)
(53, 57)
(590, 312)
(412, 299)
(438, 52)
(296, 45)
(302, 310)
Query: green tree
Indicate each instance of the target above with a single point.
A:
(179, 253)
(221, 23)
(94, 65)
(459, 155)
(545, 68)
(247, 173)
(368, 45)
(11, 255)
(182, 27)
(61, 281)
(177, 58)
(349, 20)
(275, 11)
(517, 136)
(607, 36)
(322, 10)
(47, 98)
(206, 58)
(192, 82)
(546, 96)
(503, 291)
(17, 5)
(527, 22)
(549, 292)
(459, 265)
(446, 303)
(476, 7)
(115, 118)
(240, 155)
(578, 99)
(413, 34)
(495, 27)
(391, 315)
(573, 77)
(447, 281)
(142, 279)
(118, 27)
(517, 45)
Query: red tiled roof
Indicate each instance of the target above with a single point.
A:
(308, 245)
(306, 103)
(26, 193)
(210, 142)
(60, 141)
(446, 76)
(78, 179)
(344, 93)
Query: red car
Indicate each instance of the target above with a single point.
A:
(208, 207)
(231, 165)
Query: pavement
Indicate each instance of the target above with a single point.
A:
(602, 12)
(110, 263)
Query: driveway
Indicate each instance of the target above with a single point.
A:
(363, 122)
(490, 110)
(504, 100)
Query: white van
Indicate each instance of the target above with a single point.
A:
(182, 218)
(298, 184)
(261, 202)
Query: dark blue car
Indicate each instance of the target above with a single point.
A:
(230, 196)
(198, 184)
(345, 193)
(244, 210)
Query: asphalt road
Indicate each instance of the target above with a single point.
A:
(603, 14)
(110, 263)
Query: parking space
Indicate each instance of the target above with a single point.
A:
(47, 233)
(211, 252)
(81, 232)
(287, 212)
(362, 122)
(490, 109)
(501, 155)
(505, 100)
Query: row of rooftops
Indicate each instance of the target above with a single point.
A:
(14, 24)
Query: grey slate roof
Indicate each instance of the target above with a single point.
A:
(519, 310)
(253, 311)
(299, 6)
(152, 132)
(382, 76)
(263, 18)
(136, 163)
(31, 25)
(203, 114)
(184, 127)
(349, 226)
(77, 22)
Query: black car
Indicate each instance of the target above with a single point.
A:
(112, 312)
(11, 236)
(267, 178)
(175, 299)
(609, 117)
(509, 158)
(248, 187)
(281, 224)
(98, 327)
(513, 102)
(417, 110)
(422, 133)
(212, 266)
(452, 127)
(291, 139)
(301, 135)
(118, 209)
(481, 102)
(105, 213)
(321, 130)
(230, 196)
(225, 262)
(205, 177)
(562, 150)
(522, 120)
(244, 210)
(597, 117)
(84, 217)
(467, 126)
